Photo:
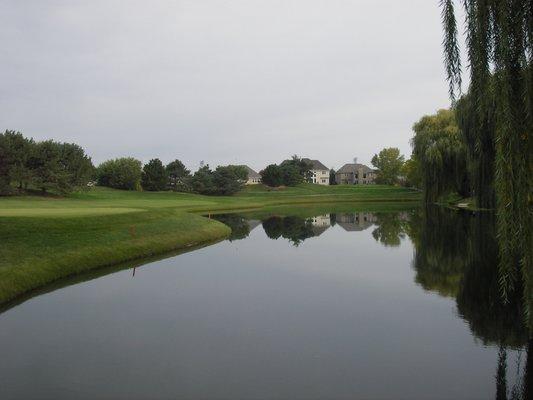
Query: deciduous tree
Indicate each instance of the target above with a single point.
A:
(120, 173)
(389, 164)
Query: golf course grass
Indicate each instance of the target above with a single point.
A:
(48, 238)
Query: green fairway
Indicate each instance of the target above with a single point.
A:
(47, 238)
(108, 201)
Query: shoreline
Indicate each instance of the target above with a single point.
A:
(48, 240)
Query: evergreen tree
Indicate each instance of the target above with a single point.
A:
(154, 176)
(178, 176)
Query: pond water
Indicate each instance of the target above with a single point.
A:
(335, 305)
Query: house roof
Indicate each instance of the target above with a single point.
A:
(352, 168)
(251, 172)
(317, 165)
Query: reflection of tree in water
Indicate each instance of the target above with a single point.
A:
(240, 226)
(295, 229)
(391, 228)
(439, 240)
(457, 256)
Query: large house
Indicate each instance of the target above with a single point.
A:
(353, 174)
(319, 172)
(253, 177)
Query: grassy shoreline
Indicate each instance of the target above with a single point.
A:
(45, 239)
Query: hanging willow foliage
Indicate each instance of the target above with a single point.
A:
(439, 150)
(478, 136)
(499, 40)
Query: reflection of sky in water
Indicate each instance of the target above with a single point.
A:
(338, 316)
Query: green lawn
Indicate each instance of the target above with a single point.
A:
(47, 238)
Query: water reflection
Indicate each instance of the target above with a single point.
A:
(390, 228)
(411, 295)
(456, 255)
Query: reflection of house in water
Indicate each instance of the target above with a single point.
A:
(352, 222)
(320, 224)
(253, 223)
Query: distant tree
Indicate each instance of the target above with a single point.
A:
(203, 181)
(48, 172)
(120, 173)
(303, 167)
(18, 149)
(440, 151)
(77, 164)
(240, 172)
(48, 165)
(332, 180)
(292, 175)
(229, 179)
(389, 163)
(178, 176)
(154, 176)
(272, 175)
(4, 167)
(411, 173)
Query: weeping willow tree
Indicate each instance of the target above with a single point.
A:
(439, 150)
(499, 40)
(478, 135)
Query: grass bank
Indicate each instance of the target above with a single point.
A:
(45, 238)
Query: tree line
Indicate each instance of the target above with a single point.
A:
(44, 166)
(129, 174)
(54, 167)
(50, 166)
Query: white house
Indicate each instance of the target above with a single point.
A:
(253, 177)
(319, 172)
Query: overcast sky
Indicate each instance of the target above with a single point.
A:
(224, 81)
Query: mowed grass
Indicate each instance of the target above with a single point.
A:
(104, 201)
(40, 250)
(48, 238)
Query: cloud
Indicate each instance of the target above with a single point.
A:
(221, 81)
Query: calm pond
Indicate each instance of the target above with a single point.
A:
(336, 305)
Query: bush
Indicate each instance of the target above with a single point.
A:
(120, 173)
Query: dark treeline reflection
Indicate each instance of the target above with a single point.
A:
(457, 256)
(388, 228)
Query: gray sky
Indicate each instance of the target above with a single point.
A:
(225, 81)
